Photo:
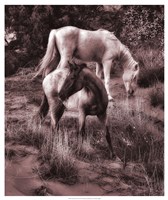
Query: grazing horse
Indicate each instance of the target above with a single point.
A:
(93, 99)
(100, 46)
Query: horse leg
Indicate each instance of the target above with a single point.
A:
(57, 109)
(103, 120)
(39, 117)
(99, 70)
(81, 130)
(44, 107)
(107, 69)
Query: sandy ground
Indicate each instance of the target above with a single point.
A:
(98, 179)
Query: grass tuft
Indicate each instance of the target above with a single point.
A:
(57, 161)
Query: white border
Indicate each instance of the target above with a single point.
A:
(71, 2)
(84, 2)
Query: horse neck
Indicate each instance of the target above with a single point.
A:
(95, 85)
(126, 58)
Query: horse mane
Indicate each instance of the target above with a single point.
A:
(125, 56)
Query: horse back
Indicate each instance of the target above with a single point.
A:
(84, 44)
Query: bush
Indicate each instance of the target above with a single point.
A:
(11, 62)
(14, 59)
(156, 96)
(143, 25)
(134, 25)
(149, 77)
(151, 63)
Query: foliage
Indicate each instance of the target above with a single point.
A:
(143, 25)
(156, 96)
(149, 77)
(134, 25)
(11, 63)
(31, 24)
(151, 63)
(14, 59)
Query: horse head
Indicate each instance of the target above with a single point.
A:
(131, 70)
(73, 82)
(130, 78)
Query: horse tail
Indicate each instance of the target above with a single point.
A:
(39, 117)
(51, 53)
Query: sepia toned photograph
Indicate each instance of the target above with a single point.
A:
(84, 100)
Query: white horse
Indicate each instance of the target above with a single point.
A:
(100, 46)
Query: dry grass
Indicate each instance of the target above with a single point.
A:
(135, 136)
(19, 132)
(137, 139)
(57, 160)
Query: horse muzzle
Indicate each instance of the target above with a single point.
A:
(130, 93)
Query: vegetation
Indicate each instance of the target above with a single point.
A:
(135, 137)
(141, 24)
(156, 95)
(151, 63)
